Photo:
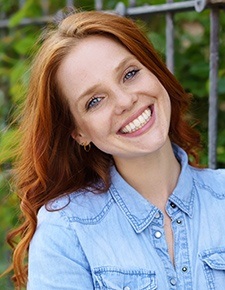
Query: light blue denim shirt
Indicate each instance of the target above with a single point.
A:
(116, 240)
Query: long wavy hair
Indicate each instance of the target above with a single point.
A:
(50, 163)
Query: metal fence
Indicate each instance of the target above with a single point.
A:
(169, 9)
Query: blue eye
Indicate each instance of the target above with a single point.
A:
(131, 74)
(93, 102)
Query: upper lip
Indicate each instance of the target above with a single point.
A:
(134, 116)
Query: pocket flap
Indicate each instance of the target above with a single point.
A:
(214, 258)
(117, 279)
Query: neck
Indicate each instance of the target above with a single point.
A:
(154, 176)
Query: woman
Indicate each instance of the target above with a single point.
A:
(107, 191)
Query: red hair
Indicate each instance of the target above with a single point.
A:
(50, 162)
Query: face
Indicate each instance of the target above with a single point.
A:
(117, 103)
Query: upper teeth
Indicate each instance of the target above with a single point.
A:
(137, 123)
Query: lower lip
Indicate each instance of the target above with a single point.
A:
(143, 129)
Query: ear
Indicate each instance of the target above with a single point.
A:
(80, 138)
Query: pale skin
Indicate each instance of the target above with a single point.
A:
(108, 89)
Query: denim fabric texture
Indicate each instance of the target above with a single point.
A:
(116, 240)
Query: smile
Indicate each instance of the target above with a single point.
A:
(137, 123)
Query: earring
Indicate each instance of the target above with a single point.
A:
(87, 147)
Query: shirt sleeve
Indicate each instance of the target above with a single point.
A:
(56, 259)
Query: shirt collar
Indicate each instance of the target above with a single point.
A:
(138, 210)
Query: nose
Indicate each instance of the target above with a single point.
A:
(124, 100)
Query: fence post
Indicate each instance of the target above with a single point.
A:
(170, 40)
(132, 3)
(98, 5)
(70, 3)
(213, 77)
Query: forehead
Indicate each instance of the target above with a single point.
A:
(92, 50)
(90, 61)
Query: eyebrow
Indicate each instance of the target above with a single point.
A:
(116, 69)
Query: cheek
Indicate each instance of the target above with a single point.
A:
(168, 112)
(96, 123)
(93, 128)
(167, 106)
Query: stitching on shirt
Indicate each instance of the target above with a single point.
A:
(95, 219)
(138, 224)
(210, 189)
(207, 257)
(124, 271)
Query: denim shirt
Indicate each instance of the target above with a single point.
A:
(116, 240)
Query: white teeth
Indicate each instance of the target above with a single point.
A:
(145, 115)
(141, 119)
(138, 122)
(132, 126)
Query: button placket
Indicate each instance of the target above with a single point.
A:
(181, 248)
(157, 232)
(160, 244)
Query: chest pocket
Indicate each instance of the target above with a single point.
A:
(110, 278)
(214, 267)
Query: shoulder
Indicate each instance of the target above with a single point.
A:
(82, 207)
(210, 180)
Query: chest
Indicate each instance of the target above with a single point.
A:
(120, 257)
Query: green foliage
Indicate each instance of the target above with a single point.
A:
(31, 8)
(16, 48)
(192, 69)
(8, 217)
(18, 44)
(8, 143)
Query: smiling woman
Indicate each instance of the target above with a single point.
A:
(122, 97)
(107, 169)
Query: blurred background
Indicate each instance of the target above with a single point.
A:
(22, 21)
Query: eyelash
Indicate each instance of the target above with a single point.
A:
(93, 102)
(130, 74)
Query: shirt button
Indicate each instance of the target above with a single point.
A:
(173, 205)
(157, 215)
(184, 269)
(173, 281)
(126, 288)
(179, 222)
(158, 235)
